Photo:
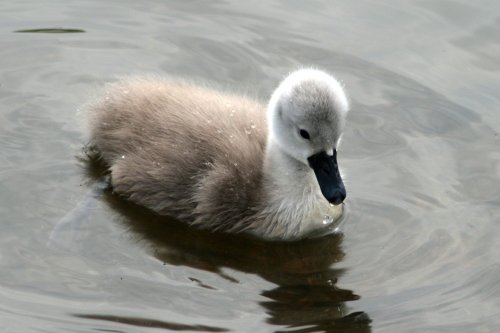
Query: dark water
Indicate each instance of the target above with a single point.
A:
(418, 250)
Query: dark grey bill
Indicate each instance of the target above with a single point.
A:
(327, 173)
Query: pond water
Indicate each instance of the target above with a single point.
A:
(418, 249)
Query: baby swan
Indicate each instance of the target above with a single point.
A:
(220, 161)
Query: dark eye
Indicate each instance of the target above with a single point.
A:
(305, 134)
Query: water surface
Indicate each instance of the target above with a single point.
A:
(418, 250)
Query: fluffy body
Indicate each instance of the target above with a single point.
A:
(205, 157)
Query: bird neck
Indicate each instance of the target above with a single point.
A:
(285, 172)
(292, 201)
(290, 193)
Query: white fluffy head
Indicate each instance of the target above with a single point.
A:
(307, 114)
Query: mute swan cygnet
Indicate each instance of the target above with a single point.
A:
(220, 161)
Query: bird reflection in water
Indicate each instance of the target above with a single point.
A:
(306, 298)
